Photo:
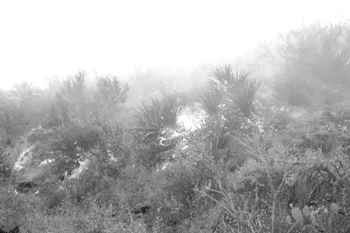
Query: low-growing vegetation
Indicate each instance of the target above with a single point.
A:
(78, 158)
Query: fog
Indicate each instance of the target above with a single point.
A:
(183, 116)
(45, 40)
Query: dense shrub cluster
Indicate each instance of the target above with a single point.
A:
(250, 165)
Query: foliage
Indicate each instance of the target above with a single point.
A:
(240, 92)
(74, 86)
(244, 98)
(319, 53)
(319, 220)
(316, 48)
(227, 77)
(161, 113)
(211, 101)
(5, 165)
(84, 119)
(77, 104)
(110, 90)
(73, 137)
(21, 109)
(248, 167)
(109, 95)
(298, 92)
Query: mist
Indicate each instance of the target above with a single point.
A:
(186, 116)
(114, 38)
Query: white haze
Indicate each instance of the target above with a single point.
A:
(46, 39)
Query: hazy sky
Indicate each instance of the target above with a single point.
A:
(44, 39)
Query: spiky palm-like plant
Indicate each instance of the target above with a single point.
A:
(243, 97)
(298, 92)
(227, 77)
(172, 108)
(337, 69)
(211, 101)
(334, 71)
(240, 91)
(151, 119)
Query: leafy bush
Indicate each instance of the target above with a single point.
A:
(108, 98)
(73, 137)
(12, 117)
(5, 164)
(318, 52)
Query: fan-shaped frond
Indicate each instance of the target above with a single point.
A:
(151, 119)
(299, 92)
(211, 101)
(227, 77)
(243, 97)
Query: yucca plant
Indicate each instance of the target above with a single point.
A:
(243, 97)
(172, 108)
(299, 92)
(227, 77)
(151, 119)
(333, 67)
(211, 101)
(334, 71)
(240, 91)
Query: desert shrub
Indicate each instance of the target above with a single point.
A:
(54, 201)
(110, 92)
(5, 163)
(318, 52)
(205, 159)
(12, 116)
(15, 208)
(73, 137)
(321, 131)
(211, 100)
(298, 92)
(84, 114)
(180, 191)
(135, 180)
(161, 113)
(109, 99)
(249, 181)
(21, 109)
(227, 77)
(119, 148)
(255, 196)
(239, 90)
(71, 218)
(138, 188)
